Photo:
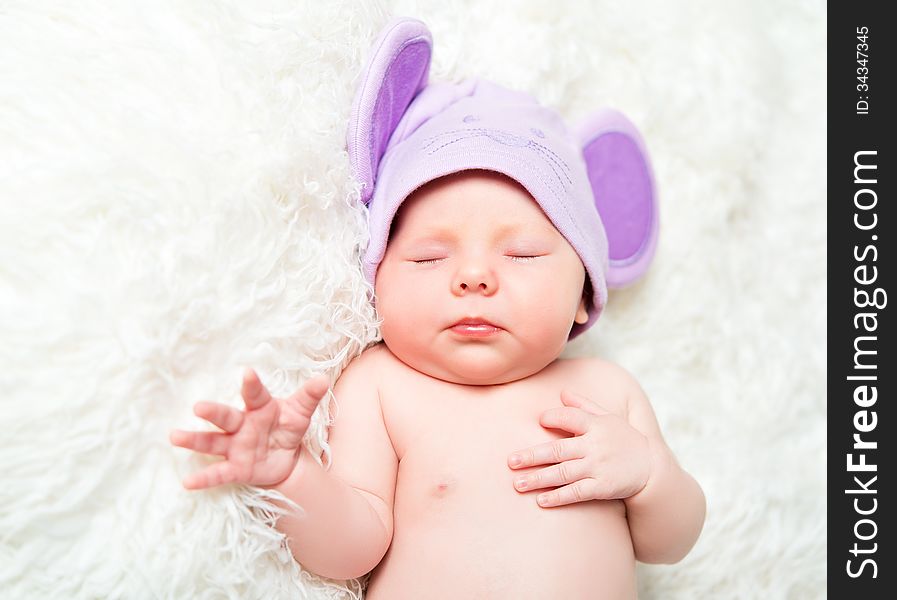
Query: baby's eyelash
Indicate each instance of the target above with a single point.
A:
(514, 257)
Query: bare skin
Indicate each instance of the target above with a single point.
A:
(459, 521)
(423, 490)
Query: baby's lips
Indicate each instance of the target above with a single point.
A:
(476, 320)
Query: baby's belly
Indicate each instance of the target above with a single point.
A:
(463, 531)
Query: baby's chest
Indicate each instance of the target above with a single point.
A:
(459, 424)
(452, 439)
(453, 451)
(450, 443)
(426, 415)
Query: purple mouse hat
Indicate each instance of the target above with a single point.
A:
(593, 182)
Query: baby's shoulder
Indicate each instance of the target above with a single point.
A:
(372, 369)
(600, 379)
(371, 361)
(594, 368)
(361, 377)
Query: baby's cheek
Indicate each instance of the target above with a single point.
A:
(404, 322)
(546, 308)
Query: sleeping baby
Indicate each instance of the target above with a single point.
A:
(467, 460)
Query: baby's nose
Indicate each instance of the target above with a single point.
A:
(482, 286)
(475, 278)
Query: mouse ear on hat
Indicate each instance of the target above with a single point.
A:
(396, 71)
(625, 196)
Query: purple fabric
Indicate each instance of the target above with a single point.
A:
(629, 222)
(625, 195)
(397, 71)
(478, 124)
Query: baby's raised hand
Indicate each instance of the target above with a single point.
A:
(260, 445)
(606, 459)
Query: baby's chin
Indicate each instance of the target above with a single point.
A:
(476, 366)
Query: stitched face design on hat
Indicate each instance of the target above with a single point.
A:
(593, 181)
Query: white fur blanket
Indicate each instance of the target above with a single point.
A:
(175, 203)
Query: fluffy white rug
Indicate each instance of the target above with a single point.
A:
(176, 203)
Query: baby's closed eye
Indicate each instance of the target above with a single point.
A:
(513, 257)
(524, 257)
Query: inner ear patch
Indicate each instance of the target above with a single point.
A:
(396, 71)
(623, 194)
(402, 81)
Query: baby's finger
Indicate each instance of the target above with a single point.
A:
(306, 399)
(547, 453)
(568, 418)
(579, 401)
(217, 474)
(317, 386)
(206, 442)
(255, 394)
(227, 418)
(553, 476)
(578, 491)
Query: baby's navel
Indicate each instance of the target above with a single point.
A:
(443, 487)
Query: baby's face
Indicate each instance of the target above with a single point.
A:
(476, 244)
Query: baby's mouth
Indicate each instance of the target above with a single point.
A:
(475, 327)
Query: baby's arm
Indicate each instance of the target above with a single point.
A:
(348, 524)
(666, 516)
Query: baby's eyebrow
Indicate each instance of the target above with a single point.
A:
(444, 234)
